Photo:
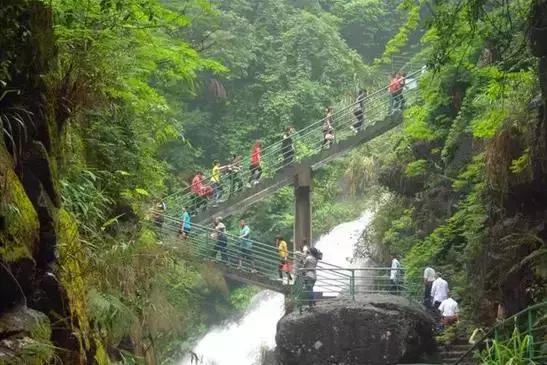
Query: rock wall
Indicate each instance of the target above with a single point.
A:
(29, 200)
(376, 330)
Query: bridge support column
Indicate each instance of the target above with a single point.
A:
(302, 207)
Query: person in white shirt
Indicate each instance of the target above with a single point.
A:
(395, 274)
(449, 311)
(429, 278)
(439, 290)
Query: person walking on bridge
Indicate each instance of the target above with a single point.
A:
(245, 246)
(393, 88)
(221, 240)
(328, 129)
(185, 224)
(359, 111)
(201, 192)
(158, 212)
(215, 182)
(256, 161)
(400, 95)
(283, 259)
(234, 170)
(287, 147)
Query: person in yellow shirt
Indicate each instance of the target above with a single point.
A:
(283, 258)
(215, 181)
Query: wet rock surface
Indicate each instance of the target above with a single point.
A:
(381, 329)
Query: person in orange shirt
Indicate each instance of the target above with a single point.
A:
(256, 160)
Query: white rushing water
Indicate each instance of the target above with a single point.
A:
(241, 342)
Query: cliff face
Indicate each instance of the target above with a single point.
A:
(29, 202)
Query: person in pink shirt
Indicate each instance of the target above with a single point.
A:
(201, 192)
(256, 160)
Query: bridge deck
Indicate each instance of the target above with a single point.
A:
(252, 278)
(285, 176)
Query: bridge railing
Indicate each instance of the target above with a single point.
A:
(519, 339)
(351, 284)
(307, 141)
(250, 256)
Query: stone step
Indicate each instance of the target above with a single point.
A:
(459, 346)
(451, 354)
(452, 360)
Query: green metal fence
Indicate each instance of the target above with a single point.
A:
(520, 339)
(259, 259)
(350, 284)
(308, 141)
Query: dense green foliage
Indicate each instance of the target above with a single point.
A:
(144, 86)
(462, 171)
(149, 91)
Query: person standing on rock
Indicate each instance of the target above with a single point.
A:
(395, 274)
(439, 290)
(310, 275)
(429, 278)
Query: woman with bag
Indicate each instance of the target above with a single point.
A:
(283, 259)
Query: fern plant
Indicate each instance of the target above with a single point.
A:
(513, 351)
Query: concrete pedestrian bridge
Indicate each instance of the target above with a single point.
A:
(379, 117)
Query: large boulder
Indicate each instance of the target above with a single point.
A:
(381, 329)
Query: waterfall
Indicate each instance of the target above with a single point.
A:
(241, 342)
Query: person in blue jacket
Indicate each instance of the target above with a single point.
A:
(186, 224)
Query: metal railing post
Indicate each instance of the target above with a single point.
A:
(352, 284)
(531, 338)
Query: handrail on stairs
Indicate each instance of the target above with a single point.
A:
(531, 323)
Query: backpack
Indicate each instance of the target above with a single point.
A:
(319, 255)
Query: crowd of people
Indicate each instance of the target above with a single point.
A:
(241, 254)
(438, 298)
(226, 180)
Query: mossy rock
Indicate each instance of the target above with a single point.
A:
(19, 236)
(72, 261)
(26, 337)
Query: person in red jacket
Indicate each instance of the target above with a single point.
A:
(393, 88)
(201, 192)
(256, 168)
